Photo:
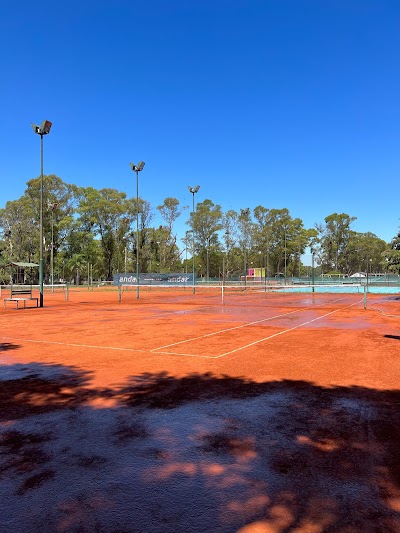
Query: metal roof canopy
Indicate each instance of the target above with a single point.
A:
(23, 265)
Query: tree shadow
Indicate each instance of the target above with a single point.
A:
(34, 388)
(312, 453)
(198, 453)
(6, 346)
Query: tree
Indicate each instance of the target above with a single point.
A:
(104, 212)
(392, 255)
(168, 250)
(20, 230)
(335, 238)
(206, 222)
(21, 218)
(246, 235)
(230, 239)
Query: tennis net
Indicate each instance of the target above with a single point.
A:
(243, 295)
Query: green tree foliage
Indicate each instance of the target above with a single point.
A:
(168, 255)
(345, 251)
(20, 218)
(335, 236)
(282, 239)
(94, 233)
(108, 214)
(391, 256)
(206, 223)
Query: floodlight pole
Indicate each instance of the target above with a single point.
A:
(225, 264)
(312, 270)
(193, 190)
(285, 255)
(52, 207)
(41, 130)
(137, 169)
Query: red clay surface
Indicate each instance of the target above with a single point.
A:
(270, 413)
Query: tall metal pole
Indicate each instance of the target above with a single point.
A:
(193, 191)
(312, 271)
(186, 257)
(41, 225)
(41, 130)
(245, 267)
(285, 255)
(137, 168)
(137, 233)
(51, 250)
(194, 288)
(265, 271)
(208, 260)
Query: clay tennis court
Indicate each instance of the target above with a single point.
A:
(180, 412)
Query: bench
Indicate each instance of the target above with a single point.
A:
(20, 295)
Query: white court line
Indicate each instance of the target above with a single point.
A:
(285, 331)
(183, 312)
(195, 338)
(187, 355)
(76, 345)
(242, 326)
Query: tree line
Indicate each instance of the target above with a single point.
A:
(91, 234)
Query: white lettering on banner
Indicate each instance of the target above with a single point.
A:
(179, 279)
(127, 279)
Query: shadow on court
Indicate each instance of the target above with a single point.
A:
(198, 453)
(6, 346)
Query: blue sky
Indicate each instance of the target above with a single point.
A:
(283, 103)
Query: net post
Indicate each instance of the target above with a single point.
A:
(222, 293)
(119, 293)
(365, 297)
(66, 292)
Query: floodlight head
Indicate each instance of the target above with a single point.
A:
(138, 167)
(194, 189)
(43, 129)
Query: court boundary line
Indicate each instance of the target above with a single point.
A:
(244, 325)
(76, 345)
(287, 330)
(266, 338)
(154, 351)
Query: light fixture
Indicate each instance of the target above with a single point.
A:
(41, 130)
(137, 168)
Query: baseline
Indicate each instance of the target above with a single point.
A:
(76, 345)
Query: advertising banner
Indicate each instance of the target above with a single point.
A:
(129, 278)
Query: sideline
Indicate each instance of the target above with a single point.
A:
(154, 351)
(285, 331)
(247, 324)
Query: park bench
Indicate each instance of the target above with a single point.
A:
(20, 295)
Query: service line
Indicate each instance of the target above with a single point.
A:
(286, 330)
(255, 342)
(247, 324)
